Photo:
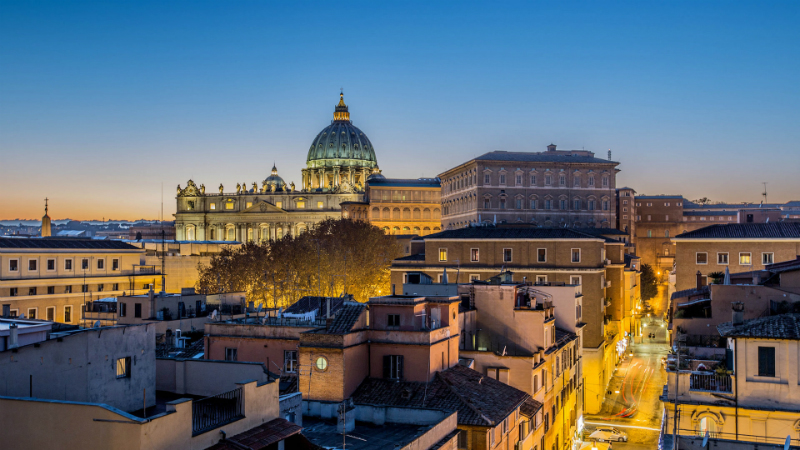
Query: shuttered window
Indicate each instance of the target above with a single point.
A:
(766, 361)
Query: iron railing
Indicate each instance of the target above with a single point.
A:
(213, 412)
(710, 383)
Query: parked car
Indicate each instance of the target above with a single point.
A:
(607, 434)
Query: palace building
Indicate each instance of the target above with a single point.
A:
(340, 161)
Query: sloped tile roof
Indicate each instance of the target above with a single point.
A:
(530, 407)
(311, 303)
(47, 243)
(745, 231)
(346, 318)
(260, 437)
(784, 326)
(490, 232)
(479, 400)
(542, 157)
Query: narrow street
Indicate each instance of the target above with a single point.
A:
(632, 402)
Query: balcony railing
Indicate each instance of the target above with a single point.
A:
(213, 412)
(710, 383)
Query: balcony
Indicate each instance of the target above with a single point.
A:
(215, 411)
(705, 382)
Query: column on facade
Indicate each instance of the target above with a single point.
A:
(336, 181)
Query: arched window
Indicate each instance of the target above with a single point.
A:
(426, 213)
(416, 230)
(436, 213)
(190, 233)
(396, 214)
(417, 213)
(386, 213)
(396, 230)
(376, 213)
(406, 213)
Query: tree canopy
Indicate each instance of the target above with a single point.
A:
(649, 282)
(337, 256)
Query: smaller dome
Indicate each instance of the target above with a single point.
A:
(274, 180)
(375, 177)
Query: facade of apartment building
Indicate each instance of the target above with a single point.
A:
(539, 256)
(52, 278)
(626, 212)
(752, 396)
(529, 338)
(736, 247)
(550, 188)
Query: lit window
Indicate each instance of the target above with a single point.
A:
(68, 314)
(745, 259)
(279, 204)
(124, 367)
(301, 205)
(229, 205)
(321, 363)
(442, 254)
(474, 255)
(319, 205)
(212, 206)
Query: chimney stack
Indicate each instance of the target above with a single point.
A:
(738, 312)
(328, 313)
(13, 337)
(699, 280)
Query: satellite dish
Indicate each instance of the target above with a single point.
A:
(788, 442)
(97, 324)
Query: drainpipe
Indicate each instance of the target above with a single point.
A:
(736, 374)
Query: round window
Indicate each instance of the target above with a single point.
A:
(322, 363)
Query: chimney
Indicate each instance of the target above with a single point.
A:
(152, 297)
(13, 337)
(738, 312)
(699, 280)
(328, 313)
(392, 290)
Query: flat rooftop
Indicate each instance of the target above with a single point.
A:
(389, 436)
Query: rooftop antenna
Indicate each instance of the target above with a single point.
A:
(765, 191)
(609, 154)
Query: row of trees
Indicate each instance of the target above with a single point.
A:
(337, 256)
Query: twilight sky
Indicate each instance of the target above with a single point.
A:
(102, 102)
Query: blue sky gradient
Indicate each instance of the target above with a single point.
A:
(102, 102)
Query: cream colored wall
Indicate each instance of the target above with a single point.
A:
(205, 377)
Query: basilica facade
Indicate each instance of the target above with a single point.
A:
(339, 163)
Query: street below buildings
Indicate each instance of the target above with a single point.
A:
(632, 400)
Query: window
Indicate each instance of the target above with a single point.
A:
(649, 233)
(576, 255)
(13, 292)
(101, 264)
(745, 259)
(393, 320)
(231, 354)
(541, 255)
(547, 180)
(290, 361)
(701, 258)
(68, 289)
(229, 206)
(212, 206)
(722, 258)
(506, 255)
(51, 264)
(648, 217)
(115, 264)
(462, 439)
(67, 264)
(766, 361)
(32, 291)
(541, 279)
(519, 180)
(548, 204)
(124, 367)
(562, 180)
(115, 287)
(474, 277)
(533, 204)
(137, 310)
(502, 178)
(85, 288)
(32, 264)
(486, 203)
(474, 255)
(442, 254)
(50, 313)
(51, 290)
(519, 203)
(562, 205)
(13, 265)
(666, 233)
(85, 264)
(68, 314)
(502, 203)
(590, 205)
(605, 181)
(301, 205)
(123, 309)
(32, 313)
(533, 180)
(767, 258)
(487, 179)
(100, 287)
(393, 367)
(591, 181)
(576, 205)
(575, 279)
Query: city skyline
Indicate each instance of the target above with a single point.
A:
(107, 102)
